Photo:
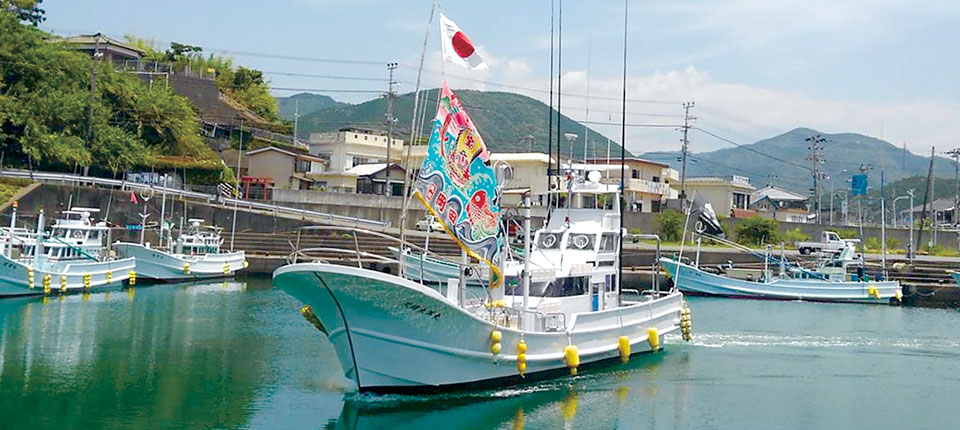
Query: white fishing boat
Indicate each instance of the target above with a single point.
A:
(70, 258)
(840, 279)
(563, 311)
(196, 254)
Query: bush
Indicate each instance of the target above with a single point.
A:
(872, 243)
(848, 233)
(893, 243)
(636, 230)
(671, 225)
(795, 235)
(758, 230)
(938, 250)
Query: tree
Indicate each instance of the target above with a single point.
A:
(25, 10)
(758, 230)
(671, 225)
(46, 109)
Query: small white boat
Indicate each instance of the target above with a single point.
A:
(195, 254)
(72, 258)
(831, 281)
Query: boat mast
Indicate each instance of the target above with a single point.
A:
(550, 112)
(413, 136)
(623, 144)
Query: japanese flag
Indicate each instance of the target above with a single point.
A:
(457, 47)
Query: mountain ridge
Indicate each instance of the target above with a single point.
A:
(505, 121)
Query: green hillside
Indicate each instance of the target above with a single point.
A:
(781, 160)
(308, 103)
(504, 120)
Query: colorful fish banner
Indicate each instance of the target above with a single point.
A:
(457, 184)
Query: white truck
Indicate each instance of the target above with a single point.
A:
(830, 242)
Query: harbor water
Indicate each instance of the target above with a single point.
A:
(237, 354)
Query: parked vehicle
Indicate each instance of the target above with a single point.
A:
(830, 242)
(429, 222)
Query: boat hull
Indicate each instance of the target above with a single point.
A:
(395, 335)
(695, 281)
(161, 265)
(15, 277)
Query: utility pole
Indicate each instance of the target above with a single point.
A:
(93, 87)
(391, 95)
(685, 142)
(296, 121)
(816, 157)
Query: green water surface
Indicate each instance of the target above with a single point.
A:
(238, 355)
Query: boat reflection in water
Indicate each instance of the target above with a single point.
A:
(603, 399)
(130, 358)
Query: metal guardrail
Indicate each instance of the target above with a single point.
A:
(81, 180)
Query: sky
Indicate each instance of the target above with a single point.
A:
(753, 68)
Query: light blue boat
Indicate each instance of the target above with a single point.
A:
(832, 286)
(956, 277)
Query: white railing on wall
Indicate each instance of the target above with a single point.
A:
(175, 192)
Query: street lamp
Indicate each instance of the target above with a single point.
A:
(895, 209)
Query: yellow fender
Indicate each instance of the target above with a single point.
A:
(571, 356)
(623, 346)
(132, 280)
(186, 268)
(653, 338)
(898, 296)
(495, 346)
(873, 292)
(521, 357)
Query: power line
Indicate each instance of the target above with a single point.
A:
(749, 149)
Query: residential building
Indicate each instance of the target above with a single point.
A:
(647, 185)
(941, 208)
(352, 146)
(780, 204)
(372, 178)
(722, 193)
(285, 168)
(109, 48)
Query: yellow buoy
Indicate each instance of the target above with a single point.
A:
(623, 346)
(873, 292)
(653, 338)
(186, 268)
(898, 296)
(245, 264)
(571, 356)
(132, 280)
(495, 348)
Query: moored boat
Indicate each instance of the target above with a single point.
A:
(196, 254)
(563, 311)
(830, 281)
(71, 258)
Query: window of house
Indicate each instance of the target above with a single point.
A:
(634, 174)
(302, 165)
(656, 179)
(365, 137)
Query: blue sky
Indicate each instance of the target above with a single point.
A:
(754, 67)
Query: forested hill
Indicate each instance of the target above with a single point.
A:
(504, 120)
(782, 160)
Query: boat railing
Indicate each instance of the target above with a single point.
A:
(362, 246)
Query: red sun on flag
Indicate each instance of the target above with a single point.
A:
(457, 48)
(462, 45)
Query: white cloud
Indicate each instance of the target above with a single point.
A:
(742, 112)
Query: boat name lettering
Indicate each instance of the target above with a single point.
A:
(421, 309)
